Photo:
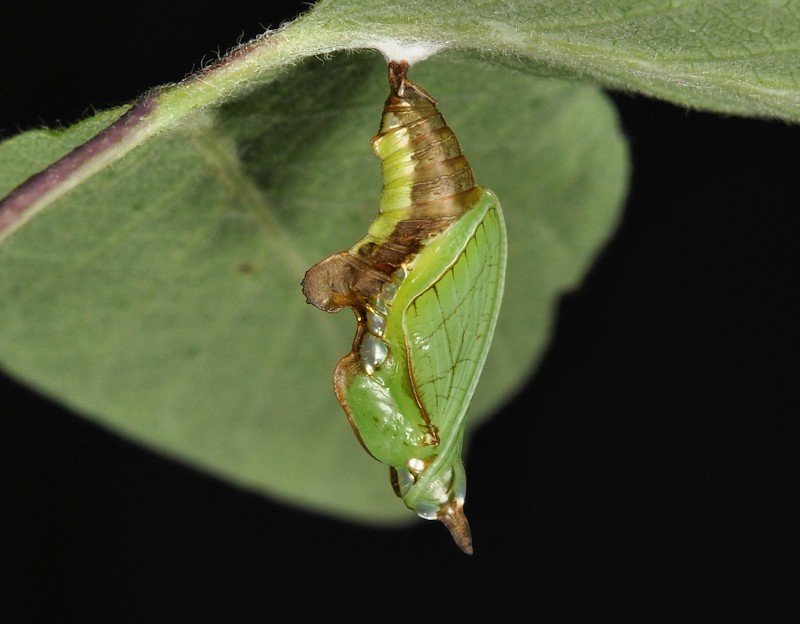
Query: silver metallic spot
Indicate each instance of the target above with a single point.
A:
(389, 291)
(439, 489)
(376, 323)
(378, 306)
(416, 465)
(373, 352)
(405, 480)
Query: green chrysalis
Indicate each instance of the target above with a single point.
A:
(425, 284)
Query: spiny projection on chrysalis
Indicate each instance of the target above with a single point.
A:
(425, 284)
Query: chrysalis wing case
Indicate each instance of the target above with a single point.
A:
(425, 284)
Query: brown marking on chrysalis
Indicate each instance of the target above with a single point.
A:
(440, 188)
(441, 170)
(341, 280)
(399, 83)
(442, 146)
(353, 277)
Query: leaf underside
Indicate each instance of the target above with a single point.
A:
(732, 56)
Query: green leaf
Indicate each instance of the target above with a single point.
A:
(149, 279)
(732, 56)
(161, 296)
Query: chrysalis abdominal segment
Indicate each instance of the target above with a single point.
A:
(425, 284)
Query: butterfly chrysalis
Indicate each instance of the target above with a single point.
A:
(425, 284)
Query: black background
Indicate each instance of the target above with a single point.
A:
(642, 475)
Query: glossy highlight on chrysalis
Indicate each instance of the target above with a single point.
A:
(425, 284)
